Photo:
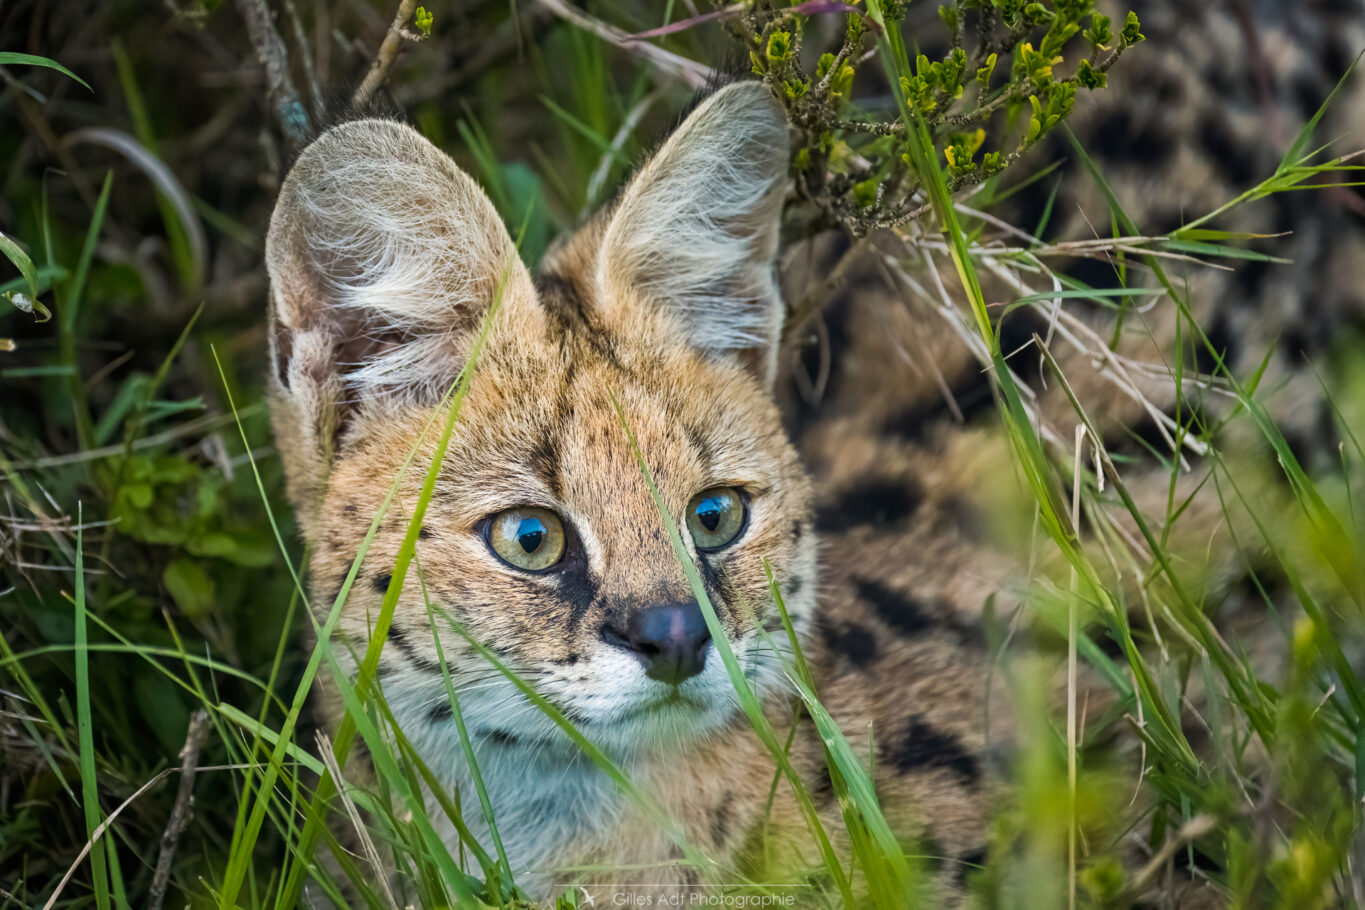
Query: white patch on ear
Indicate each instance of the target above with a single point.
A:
(383, 248)
(383, 258)
(696, 230)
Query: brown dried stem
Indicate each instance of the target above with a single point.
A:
(271, 52)
(180, 811)
(388, 52)
(696, 75)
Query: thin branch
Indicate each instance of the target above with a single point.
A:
(271, 52)
(696, 75)
(388, 52)
(1192, 830)
(206, 423)
(301, 40)
(180, 811)
(876, 128)
(815, 298)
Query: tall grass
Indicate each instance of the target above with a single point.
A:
(1253, 773)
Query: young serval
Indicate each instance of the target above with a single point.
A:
(543, 540)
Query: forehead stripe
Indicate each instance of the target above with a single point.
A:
(562, 299)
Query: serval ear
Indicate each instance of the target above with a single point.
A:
(383, 257)
(696, 230)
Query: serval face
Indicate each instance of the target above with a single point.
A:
(543, 541)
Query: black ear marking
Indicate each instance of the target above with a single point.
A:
(563, 299)
(284, 349)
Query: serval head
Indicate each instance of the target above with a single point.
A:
(542, 539)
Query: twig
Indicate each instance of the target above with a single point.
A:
(1195, 828)
(180, 811)
(693, 73)
(301, 40)
(270, 51)
(815, 298)
(388, 52)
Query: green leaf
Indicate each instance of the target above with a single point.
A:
(1130, 33)
(1207, 234)
(9, 58)
(163, 709)
(190, 587)
(779, 46)
(1214, 249)
(1089, 77)
(15, 254)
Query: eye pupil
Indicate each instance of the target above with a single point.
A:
(709, 513)
(530, 534)
(526, 537)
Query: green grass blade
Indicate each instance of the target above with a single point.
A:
(468, 747)
(10, 58)
(69, 310)
(90, 797)
(1293, 154)
(246, 833)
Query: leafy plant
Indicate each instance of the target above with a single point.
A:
(998, 97)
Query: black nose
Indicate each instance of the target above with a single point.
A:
(670, 639)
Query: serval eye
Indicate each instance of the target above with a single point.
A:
(527, 538)
(715, 517)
